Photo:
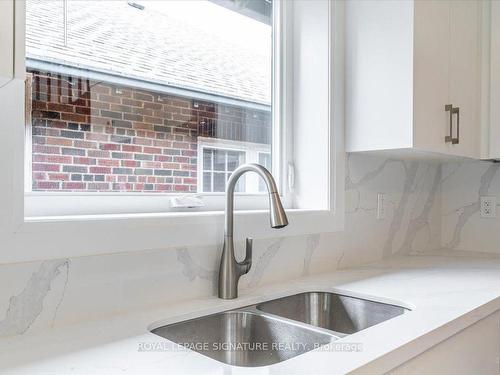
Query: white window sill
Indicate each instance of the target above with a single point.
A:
(83, 235)
(47, 205)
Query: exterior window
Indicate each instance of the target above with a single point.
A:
(221, 157)
(265, 160)
(122, 93)
(217, 167)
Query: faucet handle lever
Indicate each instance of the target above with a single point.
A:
(247, 262)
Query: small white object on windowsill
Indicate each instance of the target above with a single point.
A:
(186, 201)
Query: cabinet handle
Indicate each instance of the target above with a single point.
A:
(449, 137)
(449, 108)
(456, 140)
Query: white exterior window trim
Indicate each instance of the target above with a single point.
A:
(27, 238)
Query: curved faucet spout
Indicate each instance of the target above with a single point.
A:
(230, 270)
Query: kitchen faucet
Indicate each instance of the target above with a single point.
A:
(231, 270)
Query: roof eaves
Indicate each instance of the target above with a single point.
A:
(111, 77)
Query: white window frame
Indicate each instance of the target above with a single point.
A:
(30, 237)
(28, 154)
(41, 204)
(251, 150)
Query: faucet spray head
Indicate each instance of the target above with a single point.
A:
(278, 215)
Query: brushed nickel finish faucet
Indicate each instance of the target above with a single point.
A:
(230, 270)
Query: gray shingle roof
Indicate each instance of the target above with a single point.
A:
(115, 38)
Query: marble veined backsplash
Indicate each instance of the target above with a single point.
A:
(40, 295)
(463, 228)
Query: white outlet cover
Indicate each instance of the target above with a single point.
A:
(488, 207)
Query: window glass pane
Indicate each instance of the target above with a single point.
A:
(219, 182)
(207, 159)
(220, 160)
(207, 181)
(233, 160)
(241, 184)
(265, 160)
(122, 93)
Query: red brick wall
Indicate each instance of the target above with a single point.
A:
(95, 136)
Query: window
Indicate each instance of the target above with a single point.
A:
(124, 94)
(217, 167)
(221, 157)
(41, 224)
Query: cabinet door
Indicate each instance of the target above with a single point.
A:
(431, 74)
(494, 103)
(465, 74)
(474, 350)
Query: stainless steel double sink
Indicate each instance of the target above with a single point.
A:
(274, 331)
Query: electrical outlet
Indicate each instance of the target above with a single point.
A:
(381, 203)
(488, 207)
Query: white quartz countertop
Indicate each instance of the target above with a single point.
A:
(447, 291)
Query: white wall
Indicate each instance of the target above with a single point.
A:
(6, 41)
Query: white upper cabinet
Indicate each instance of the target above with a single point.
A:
(465, 74)
(492, 75)
(6, 41)
(414, 76)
